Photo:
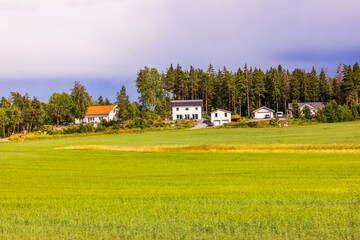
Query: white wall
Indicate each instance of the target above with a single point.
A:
(220, 119)
(182, 111)
(261, 114)
(96, 118)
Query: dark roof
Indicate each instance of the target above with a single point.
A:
(270, 110)
(311, 104)
(187, 103)
(222, 110)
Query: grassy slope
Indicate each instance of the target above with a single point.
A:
(48, 193)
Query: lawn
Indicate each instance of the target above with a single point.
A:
(50, 193)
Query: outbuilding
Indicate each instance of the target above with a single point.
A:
(220, 116)
(263, 112)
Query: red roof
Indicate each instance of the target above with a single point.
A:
(94, 110)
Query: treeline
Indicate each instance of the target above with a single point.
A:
(24, 114)
(248, 88)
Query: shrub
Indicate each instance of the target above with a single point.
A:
(296, 112)
(100, 129)
(70, 130)
(2, 134)
(274, 122)
(84, 128)
(139, 123)
(160, 124)
(307, 112)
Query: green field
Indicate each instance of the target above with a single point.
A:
(50, 193)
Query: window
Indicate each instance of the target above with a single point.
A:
(215, 114)
(187, 109)
(225, 114)
(100, 118)
(195, 116)
(177, 109)
(187, 116)
(196, 108)
(179, 116)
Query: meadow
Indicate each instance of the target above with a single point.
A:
(51, 191)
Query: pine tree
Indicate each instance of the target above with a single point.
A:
(240, 87)
(348, 87)
(123, 104)
(356, 78)
(259, 85)
(324, 92)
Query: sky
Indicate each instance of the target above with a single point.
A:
(46, 45)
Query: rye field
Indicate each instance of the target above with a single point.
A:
(263, 183)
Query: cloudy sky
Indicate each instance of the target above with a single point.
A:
(46, 45)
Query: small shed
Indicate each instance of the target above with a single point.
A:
(262, 112)
(220, 116)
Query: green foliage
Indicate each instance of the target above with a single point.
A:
(123, 105)
(139, 123)
(296, 112)
(81, 100)
(60, 108)
(273, 122)
(307, 112)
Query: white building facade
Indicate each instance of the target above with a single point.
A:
(314, 106)
(262, 112)
(186, 109)
(220, 116)
(95, 114)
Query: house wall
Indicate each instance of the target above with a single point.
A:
(176, 111)
(220, 119)
(261, 114)
(96, 118)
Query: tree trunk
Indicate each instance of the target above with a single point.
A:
(248, 102)
(240, 105)
(206, 99)
(259, 100)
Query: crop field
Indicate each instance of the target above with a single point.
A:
(263, 183)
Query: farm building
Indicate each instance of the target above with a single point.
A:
(220, 116)
(95, 114)
(262, 112)
(186, 109)
(312, 105)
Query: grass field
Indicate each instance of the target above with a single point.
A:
(48, 192)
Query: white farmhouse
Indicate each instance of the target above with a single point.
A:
(95, 114)
(220, 116)
(314, 106)
(262, 112)
(186, 109)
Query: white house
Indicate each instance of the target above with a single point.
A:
(186, 109)
(95, 114)
(220, 116)
(262, 112)
(312, 105)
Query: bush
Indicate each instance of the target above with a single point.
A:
(274, 122)
(84, 128)
(160, 124)
(139, 123)
(100, 129)
(296, 112)
(307, 112)
(70, 130)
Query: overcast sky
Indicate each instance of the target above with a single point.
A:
(47, 44)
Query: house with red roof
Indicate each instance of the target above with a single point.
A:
(95, 114)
